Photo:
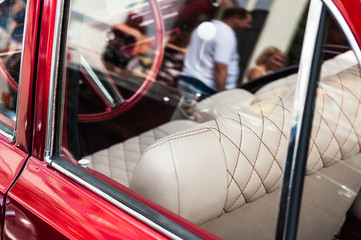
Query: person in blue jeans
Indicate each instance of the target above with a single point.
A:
(211, 62)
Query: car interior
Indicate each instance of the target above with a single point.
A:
(217, 160)
(209, 172)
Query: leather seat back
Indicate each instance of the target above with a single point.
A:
(221, 165)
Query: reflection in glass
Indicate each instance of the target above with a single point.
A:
(215, 160)
(12, 17)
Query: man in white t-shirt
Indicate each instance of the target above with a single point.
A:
(211, 62)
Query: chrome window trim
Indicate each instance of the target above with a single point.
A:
(3, 129)
(8, 132)
(295, 162)
(308, 57)
(50, 128)
(344, 27)
(50, 154)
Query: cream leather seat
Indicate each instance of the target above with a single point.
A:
(118, 161)
(227, 172)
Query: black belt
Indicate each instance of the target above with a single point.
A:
(197, 84)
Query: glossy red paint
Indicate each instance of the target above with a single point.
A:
(54, 207)
(43, 75)
(351, 10)
(25, 93)
(9, 169)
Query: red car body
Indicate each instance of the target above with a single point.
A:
(37, 201)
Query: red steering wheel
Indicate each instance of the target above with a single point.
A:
(114, 102)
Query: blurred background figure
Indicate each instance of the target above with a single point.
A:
(128, 46)
(16, 27)
(211, 62)
(172, 65)
(12, 15)
(270, 60)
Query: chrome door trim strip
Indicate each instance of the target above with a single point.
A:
(344, 27)
(295, 163)
(50, 127)
(8, 132)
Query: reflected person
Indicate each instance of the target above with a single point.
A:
(211, 62)
(270, 60)
(126, 45)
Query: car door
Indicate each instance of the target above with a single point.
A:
(17, 66)
(63, 193)
(44, 204)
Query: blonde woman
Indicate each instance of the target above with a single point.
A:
(270, 60)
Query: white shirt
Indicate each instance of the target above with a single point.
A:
(201, 55)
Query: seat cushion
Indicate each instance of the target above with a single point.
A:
(118, 161)
(322, 214)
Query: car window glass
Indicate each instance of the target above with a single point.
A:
(146, 106)
(12, 17)
(332, 182)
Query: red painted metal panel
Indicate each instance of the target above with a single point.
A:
(11, 161)
(44, 204)
(351, 11)
(43, 75)
(23, 136)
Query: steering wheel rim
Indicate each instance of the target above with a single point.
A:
(150, 78)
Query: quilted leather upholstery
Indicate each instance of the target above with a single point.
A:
(221, 165)
(118, 161)
(329, 67)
